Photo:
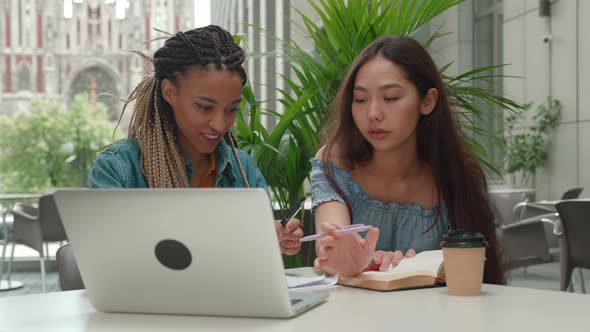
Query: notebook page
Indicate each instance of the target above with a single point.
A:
(424, 261)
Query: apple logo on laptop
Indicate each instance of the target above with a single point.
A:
(173, 254)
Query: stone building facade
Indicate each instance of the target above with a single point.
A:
(63, 47)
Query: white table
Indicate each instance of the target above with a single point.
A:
(506, 191)
(499, 308)
(553, 203)
(10, 199)
(13, 197)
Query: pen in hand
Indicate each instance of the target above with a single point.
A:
(293, 212)
(354, 228)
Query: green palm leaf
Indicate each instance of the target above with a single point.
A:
(343, 30)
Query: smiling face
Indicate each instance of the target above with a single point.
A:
(204, 102)
(386, 106)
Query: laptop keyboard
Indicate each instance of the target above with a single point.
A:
(295, 301)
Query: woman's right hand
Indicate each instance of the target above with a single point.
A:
(347, 254)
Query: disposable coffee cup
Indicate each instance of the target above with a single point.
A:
(464, 258)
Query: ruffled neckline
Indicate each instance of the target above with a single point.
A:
(356, 188)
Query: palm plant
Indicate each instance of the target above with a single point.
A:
(281, 162)
(346, 28)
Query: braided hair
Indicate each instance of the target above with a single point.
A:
(153, 123)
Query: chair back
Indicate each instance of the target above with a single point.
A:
(524, 244)
(574, 244)
(572, 193)
(69, 275)
(52, 228)
(504, 203)
(575, 223)
(28, 209)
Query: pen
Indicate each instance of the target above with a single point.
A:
(355, 228)
(293, 212)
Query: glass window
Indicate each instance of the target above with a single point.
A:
(482, 5)
(161, 15)
(487, 51)
(24, 79)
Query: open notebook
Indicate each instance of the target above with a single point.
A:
(419, 271)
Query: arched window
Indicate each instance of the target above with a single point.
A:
(23, 82)
(105, 83)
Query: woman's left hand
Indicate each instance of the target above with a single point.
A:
(289, 236)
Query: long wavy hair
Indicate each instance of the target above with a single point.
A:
(152, 122)
(460, 180)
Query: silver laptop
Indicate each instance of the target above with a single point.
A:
(180, 251)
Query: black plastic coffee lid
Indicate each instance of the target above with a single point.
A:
(461, 239)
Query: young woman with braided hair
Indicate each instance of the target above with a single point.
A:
(179, 134)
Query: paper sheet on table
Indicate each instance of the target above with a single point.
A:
(295, 282)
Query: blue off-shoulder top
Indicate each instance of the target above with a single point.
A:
(402, 226)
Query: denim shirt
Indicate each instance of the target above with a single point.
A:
(118, 166)
(402, 226)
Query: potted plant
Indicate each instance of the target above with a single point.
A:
(525, 149)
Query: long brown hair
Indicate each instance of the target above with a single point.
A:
(460, 180)
(153, 123)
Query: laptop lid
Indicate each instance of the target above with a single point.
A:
(178, 251)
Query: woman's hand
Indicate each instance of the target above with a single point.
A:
(289, 236)
(382, 260)
(347, 254)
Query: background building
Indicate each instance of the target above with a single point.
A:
(276, 17)
(556, 67)
(543, 50)
(62, 47)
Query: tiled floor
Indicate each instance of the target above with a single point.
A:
(545, 276)
(27, 270)
(32, 283)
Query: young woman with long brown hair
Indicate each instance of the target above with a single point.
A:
(395, 158)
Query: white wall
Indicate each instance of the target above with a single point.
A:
(541, 69)
(553, 69)
(457, 47)
(583, 72)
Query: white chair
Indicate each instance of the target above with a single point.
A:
(35, 228)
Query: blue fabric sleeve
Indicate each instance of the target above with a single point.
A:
(107, 172)
(253, 174)
(321, 190)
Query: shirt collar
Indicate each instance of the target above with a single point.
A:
(223, 154)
